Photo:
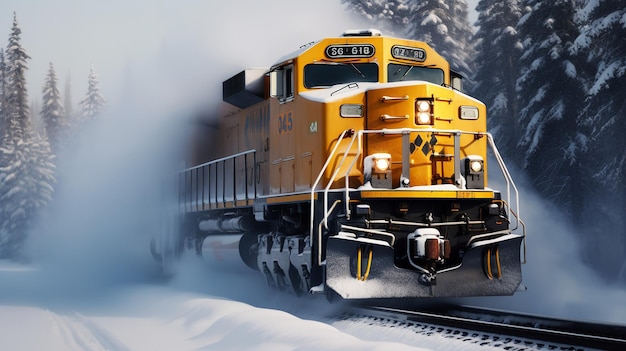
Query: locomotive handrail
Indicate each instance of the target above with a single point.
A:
(337, 169)
(505, 172)
(195, 182)
(509, 182)
(317, 180)
(512, 213)
(217, 160)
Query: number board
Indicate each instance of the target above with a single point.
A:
(350, 51)
(408, 53)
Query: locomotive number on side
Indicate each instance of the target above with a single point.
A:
(285, 123)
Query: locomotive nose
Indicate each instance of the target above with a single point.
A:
(400, 113)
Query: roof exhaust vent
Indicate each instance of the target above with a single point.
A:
(362, 33)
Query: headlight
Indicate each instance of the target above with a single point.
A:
(381, 165)
(423, 106)
(377, 170)
(422, 118)
(476, 165)
(423, 112)
(474, 172)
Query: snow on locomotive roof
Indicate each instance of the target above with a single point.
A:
(362, 33)
(294, 54)
(341, 91)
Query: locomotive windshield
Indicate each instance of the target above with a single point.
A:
(399, 72)
(328, 74)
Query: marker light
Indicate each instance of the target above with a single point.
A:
(468, 112)
(351, 110)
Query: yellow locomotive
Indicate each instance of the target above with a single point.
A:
(355, 167)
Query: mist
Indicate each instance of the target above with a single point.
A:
(161, 67)
(555, 280)
(191, 41)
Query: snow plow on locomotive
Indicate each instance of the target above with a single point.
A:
(354, 167)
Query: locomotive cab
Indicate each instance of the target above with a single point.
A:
(357, 85)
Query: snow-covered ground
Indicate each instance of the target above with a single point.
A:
(158, 318)
(185, 313)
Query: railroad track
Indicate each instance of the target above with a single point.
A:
(509, 330)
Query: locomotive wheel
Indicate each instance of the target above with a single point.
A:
(296, 282)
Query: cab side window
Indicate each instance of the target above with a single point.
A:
(282, 83)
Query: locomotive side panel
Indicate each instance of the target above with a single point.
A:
(255, 136)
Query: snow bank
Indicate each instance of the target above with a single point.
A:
(159, 318)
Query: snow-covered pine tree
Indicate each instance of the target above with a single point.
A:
(27, 186)
(3, 123)
(601, 41)
(67, 101)
(551, 93)
(18, 111)
(497, 67)
(27, 171)
(3, 142)
(442, 24)
(52, 113)
(388, 15)
(445, 26)
(93, 102)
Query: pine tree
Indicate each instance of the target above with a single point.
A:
(392, 16)
(444, 25)
(67, 101)
(3, 123)
(3, 141)
(27, 182)
(17, 97)
(26, 169)
(93, 102)
(497, 61)
(52, 112)
(551, 94)
(601, 41)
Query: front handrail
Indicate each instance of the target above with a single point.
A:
(358, 135)
(317, 181)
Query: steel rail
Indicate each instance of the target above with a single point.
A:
(591, 335)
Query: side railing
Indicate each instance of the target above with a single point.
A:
(219, 183)
(354, 150)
